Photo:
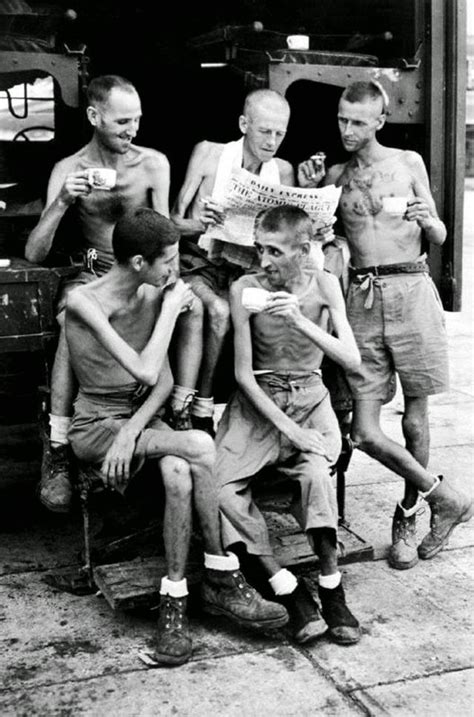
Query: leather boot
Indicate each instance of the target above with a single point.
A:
(55, 489)
(225, 592)
(343, 627)
(305, 616)
(403, 551)
(449, 507)
(172, 644)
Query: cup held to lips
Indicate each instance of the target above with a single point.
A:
(254, 299)
(394, 205)
(102, 178)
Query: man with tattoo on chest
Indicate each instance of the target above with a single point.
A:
(395, 313)
(142, 179)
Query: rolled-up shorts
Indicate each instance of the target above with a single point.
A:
(402, 332)
(247, 442)
(97, 421)
(196, 269)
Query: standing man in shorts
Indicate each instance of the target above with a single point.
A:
(211, 268)
(281, 416)
(118, 331)
(395, 313)
(142, 179)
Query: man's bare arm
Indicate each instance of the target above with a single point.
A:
(422, 209)
(64, 186)
(147, 364)
(116, 464)
(195, 174)
(160, 183)
(342, 347)
(303, 439)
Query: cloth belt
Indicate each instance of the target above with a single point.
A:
(367, 275)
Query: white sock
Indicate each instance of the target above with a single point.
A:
(330, 581)
(59, 429)
(203, 407)
(229, 561)
(283, 582)
(174, 588)
(181, 397)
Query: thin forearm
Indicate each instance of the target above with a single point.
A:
(152, 357)
(344, 354)
(188, 227)
(435, 232)
(41, 238)
(148, 409)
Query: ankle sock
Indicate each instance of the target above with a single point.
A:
(181, 397)
(203, 407)
(330, 581)
(59, 429)
(174, 588)
(227, 562)
(283, 582)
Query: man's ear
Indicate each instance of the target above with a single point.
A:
(305, 248)
(136, 262)
(381, 121)
(243, 124)
(92, 115)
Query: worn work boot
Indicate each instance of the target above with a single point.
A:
(172, 645)
(343, 627)
(179, 419)
(55, 489)
(227, 593)
(449, 507)
(204, 423)
(403, 551)
(305, 616)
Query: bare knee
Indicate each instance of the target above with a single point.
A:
(176, 477)
(414, 428)
(200, 447)
(366, 438)
(219, 316)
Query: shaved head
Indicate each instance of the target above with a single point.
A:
(259, 99)
(366, 92)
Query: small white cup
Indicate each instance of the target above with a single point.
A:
(254, 299)
(102, 178)
(394, 205)
(298, 42)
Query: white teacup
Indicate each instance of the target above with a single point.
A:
(102, 178)
(298, 42)
(254, 299)
(394, 205)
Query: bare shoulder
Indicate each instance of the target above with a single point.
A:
(207, 153)
(328, 285)
(287, 175)
(334, 173)
(72, 162)
(412, 159)
(151, 157)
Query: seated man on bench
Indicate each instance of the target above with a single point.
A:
(118, 330)
(281, 415)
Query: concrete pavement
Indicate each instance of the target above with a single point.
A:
(68, 655)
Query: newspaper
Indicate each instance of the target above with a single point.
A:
(246, 195)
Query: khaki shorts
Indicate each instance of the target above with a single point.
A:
(97, 421)
(246, 442)
(402, 332)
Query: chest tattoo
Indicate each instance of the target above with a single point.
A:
(368, 186)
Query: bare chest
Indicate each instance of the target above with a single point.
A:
(363, 189)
